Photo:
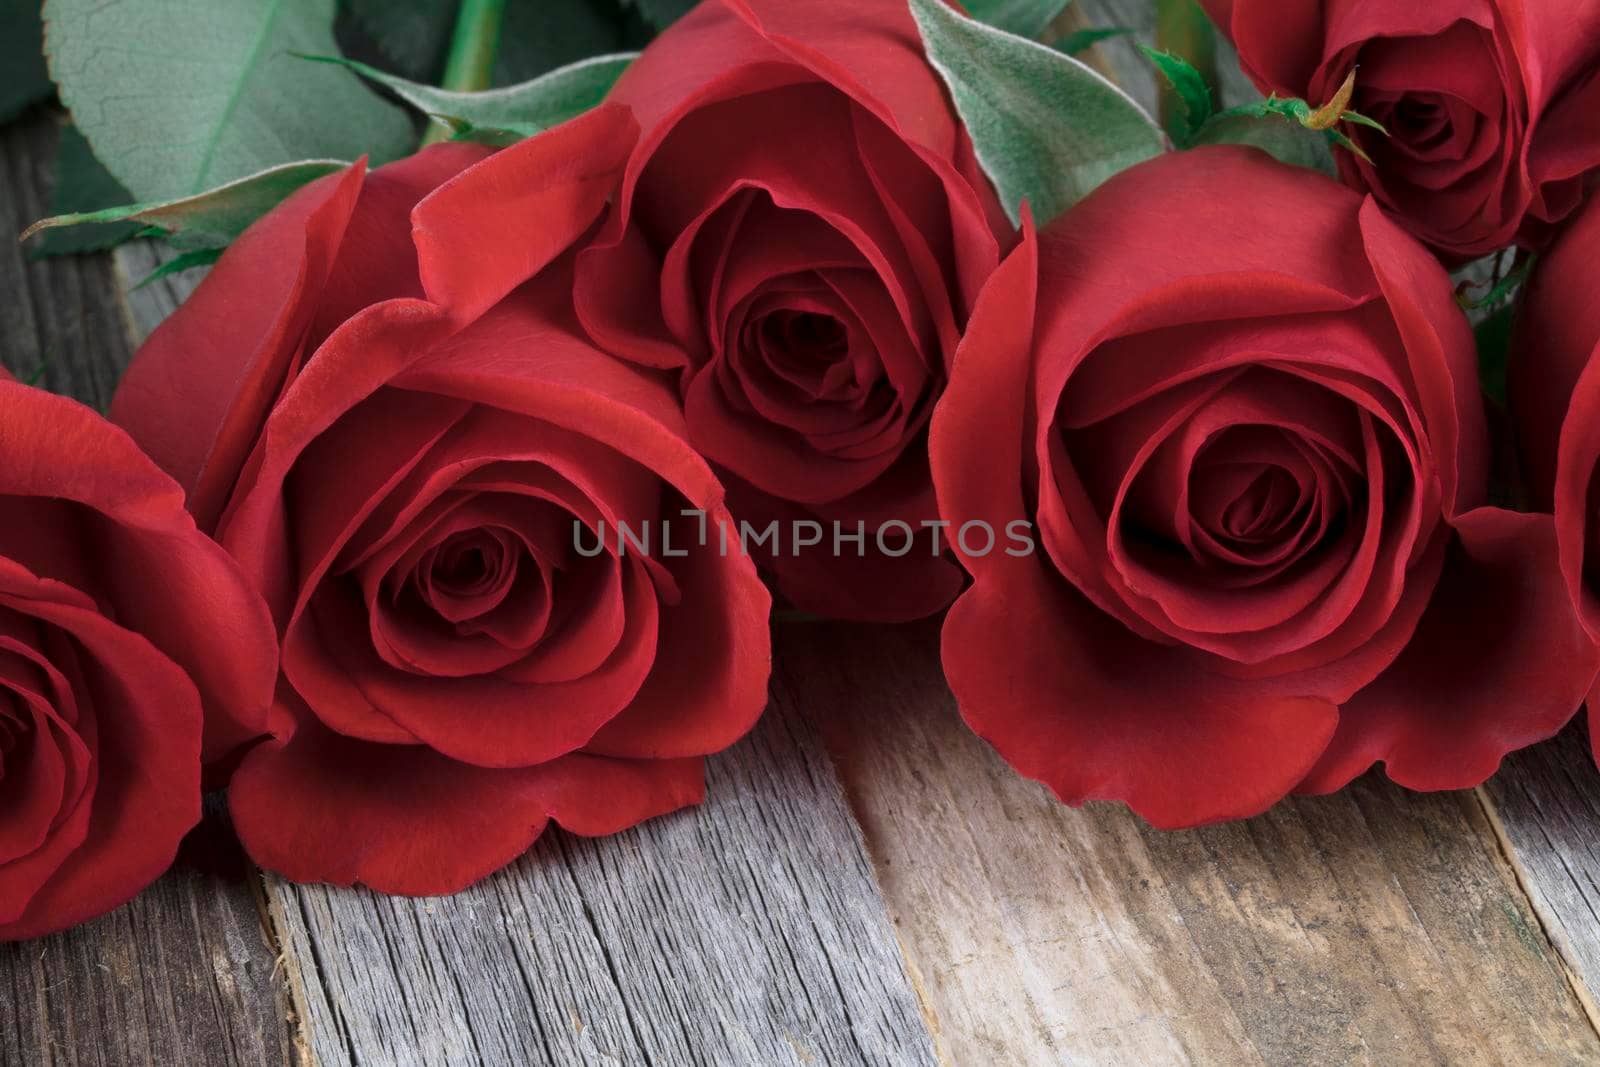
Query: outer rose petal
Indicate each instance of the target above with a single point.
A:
(317, 807)
(287, 272)
(1499, 662)
(1444, 365)
(868, 48)
(1069, 697)
(168, 582)
(141, 720)
(1280, 42)
(1063, 692)
(545, 190)
(1558, 329)
(262, 290)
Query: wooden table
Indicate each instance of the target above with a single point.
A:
(866, 883)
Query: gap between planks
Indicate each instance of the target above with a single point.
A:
(1508, 854)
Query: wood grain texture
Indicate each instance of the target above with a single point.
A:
(1545, 803)
(61, 318)
(749, 931)
(1374, 926)
(147, 300)
(185, 972)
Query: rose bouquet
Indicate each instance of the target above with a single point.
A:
(457, 498)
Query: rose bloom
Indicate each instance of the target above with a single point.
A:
(1242, 409)
(1555, 396)
(381, 403)
(131, 648)
(1489, 104)
(802, 230)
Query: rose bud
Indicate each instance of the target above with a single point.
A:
(1488, 105)
(1241, 408)
(1555, 398)
(131, 648)
(404, 467)
(802, 230)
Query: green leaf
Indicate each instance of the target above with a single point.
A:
(546, 101)
(199, 257)
(1192, 90)
(24, 81)
(1279, 136)
(663, 13)
(1080, 41)
(211, 219)
(1047, 128)
(1297, 113)
(179, 97)
(82, 184)
(1025, 18)
(498, 136)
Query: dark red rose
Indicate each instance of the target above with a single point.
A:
(1555, 396)
(400, 454)
(131, 647)
(1242, 409)
(801, 233)
(1489, 104)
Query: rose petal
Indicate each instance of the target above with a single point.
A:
(142, 724)
(169, 583)
(263, 289)
(544, 191)
(316, 807)
(1498, 662)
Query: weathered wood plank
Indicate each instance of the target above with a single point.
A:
(1371, 926)
(182, 974)
(185, 972)
(61, 314)
(146, 302)
(747, 931)
(1545, 803)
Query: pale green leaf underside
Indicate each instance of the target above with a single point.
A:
(1284, 139)
(546, 101)
(178, 97)
(211, 219)
(1047, 128)
(1025, 18)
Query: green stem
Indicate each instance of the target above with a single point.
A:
(1183, 30)
(470, 64)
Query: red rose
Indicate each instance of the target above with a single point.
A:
(1489, 104)
(119, 623)
(401, 463)
(802, 230)
(1242, 411)
(1555, 396)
